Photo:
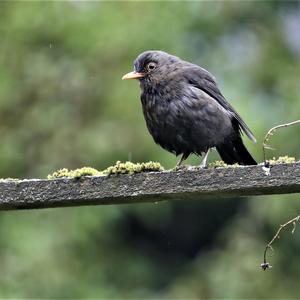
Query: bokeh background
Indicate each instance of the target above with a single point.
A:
(63, 104)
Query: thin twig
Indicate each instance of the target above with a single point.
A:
(265, 265)
(270, 133)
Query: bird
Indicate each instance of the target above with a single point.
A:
(185, 111)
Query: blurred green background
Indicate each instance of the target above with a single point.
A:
(63, 104)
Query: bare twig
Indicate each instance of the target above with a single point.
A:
(270, 133)
(265, 265)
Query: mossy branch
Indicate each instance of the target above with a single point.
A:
(142, 184)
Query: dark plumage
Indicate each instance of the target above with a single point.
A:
(185, 111)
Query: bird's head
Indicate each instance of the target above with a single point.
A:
(153, 67)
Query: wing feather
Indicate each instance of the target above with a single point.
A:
(202, 79)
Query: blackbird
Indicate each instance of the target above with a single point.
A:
(185, 111)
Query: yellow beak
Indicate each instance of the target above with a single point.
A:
(133, 75)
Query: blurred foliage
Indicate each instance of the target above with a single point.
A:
(63, 104)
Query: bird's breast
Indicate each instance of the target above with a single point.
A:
(164, 121)
(155, 109)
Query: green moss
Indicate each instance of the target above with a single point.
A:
(221, 164)
(131, 168)
(217, 164)
(77, 173)
(282, 160)
(86, 171)
(118, 168)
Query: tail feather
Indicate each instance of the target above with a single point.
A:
(235, 152)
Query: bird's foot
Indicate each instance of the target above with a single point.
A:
(203, 165)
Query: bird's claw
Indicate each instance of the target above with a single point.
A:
(202, 166)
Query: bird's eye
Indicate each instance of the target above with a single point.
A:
(151, 66)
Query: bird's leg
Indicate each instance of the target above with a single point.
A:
(182, 158)
(204, 160)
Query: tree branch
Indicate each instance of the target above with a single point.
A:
(270, 133)
(265, 265)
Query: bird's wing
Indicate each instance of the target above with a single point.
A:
(202, 79)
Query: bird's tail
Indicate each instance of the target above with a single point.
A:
(235, 152)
